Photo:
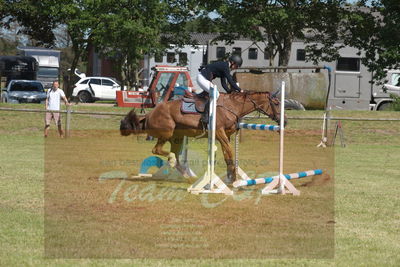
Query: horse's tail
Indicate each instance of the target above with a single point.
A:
(132, 124)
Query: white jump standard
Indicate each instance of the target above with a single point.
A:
(276, 184)
(296, 175)
(210, 182)
(280, 184)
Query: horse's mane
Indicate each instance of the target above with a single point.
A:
(243, 95)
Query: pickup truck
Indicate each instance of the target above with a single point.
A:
(23, 91)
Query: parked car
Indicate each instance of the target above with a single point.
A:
(24, 91)
(90, 89)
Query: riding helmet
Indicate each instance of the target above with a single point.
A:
(236, 59)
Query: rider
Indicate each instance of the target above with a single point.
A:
(220, 69)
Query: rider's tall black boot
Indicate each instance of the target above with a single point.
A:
(205, 115)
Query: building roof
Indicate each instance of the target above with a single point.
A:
(205, 38)
(36, 48)
(202, 38)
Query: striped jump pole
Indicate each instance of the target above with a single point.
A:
(267, 180)
(254, 126)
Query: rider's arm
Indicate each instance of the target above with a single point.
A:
(231, 81)
(223, 83)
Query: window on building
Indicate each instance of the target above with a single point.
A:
(348, 64)
(266, 54)
(253, 53)
(237, 51)
(159, 57)
(301, 55)
(171, 57)
(220, 52)
(183, 59)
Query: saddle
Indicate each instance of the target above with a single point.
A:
(193, 104)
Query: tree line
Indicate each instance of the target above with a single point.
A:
(126, 30)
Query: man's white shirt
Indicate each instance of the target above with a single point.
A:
(54, 99)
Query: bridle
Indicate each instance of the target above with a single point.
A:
(271, 105)
(257, 107)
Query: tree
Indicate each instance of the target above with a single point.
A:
(38, 19)
(124, 30)
(278, 22)
(33, 17)
(131, 29)
(373, 27)
(7, 47)
(128, 31)
(80, 21)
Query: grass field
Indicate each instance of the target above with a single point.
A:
(364, 207)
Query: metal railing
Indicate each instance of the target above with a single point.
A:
(69, 113)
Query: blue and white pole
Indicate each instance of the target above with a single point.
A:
(254, 126)
(296, 175)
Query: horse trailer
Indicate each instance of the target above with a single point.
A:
(49, 63)
(17, 68)
(350, 80)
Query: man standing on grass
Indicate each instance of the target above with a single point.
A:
(53, 102)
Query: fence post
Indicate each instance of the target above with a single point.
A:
(68, 122)
(328, 126)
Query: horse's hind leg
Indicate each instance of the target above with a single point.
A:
(228, 155)
(176, 147)
(158, 150)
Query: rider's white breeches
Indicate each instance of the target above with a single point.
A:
(204, 83)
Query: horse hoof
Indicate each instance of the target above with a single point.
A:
(172, 163)
(228, 181)
(186, 175)
(172, 160)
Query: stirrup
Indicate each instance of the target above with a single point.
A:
(203, 133)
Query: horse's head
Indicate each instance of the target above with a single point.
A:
(269, 105)
(130, 124)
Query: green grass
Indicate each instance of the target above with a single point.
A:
(367, 197)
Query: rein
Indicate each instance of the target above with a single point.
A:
(256, 107)
(271, 105)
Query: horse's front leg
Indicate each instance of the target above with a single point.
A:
(228, 155)
(158, 150)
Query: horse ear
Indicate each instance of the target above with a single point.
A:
(274, 94)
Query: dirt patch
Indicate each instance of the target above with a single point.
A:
(319, 180)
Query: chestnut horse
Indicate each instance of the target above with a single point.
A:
(167, 123)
